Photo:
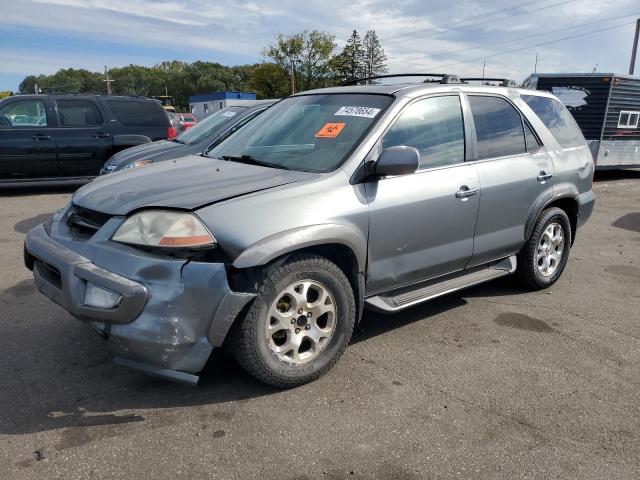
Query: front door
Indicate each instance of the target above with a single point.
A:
(27, 143)
(422, 225)
(515, 174)
(82, 137)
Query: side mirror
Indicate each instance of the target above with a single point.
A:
(399, 160)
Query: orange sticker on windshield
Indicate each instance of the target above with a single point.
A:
(330, 130)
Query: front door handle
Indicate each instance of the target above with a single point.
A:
(101, 135)
(465, 192)
(544, 176)
(41, 137)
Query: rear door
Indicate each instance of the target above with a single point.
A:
(27, 143)
(82, 137)
(421, 225)
(515, 174)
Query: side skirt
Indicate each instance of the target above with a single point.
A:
(406, 297)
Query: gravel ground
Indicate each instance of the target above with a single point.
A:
(491, 382)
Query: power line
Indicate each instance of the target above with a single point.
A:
(531, 46)
(538, 34)
(467, 27)
(462, 20)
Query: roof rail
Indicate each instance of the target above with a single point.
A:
(504, 82)
(437, 78)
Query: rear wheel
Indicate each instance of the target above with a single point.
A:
(543, 258)
(299, 324)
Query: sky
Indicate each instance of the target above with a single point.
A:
(42, 36)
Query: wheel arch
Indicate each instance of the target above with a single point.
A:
(567, 203)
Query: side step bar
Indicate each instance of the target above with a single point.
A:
(408, 296)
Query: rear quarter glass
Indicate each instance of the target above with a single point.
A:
(557, 119)
(135, 113)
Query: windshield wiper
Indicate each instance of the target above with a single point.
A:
(248, 159)
(177, 141)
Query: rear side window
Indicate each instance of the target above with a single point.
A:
(139, 114)
(499, 127)
(557, 119)
(434, 126)
(78, 113)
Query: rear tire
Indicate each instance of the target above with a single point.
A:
(543, 258)
(299, 324)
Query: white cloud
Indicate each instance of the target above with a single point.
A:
(238, 31)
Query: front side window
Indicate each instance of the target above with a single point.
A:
(557, 119)
(23, 114)
(78, 113)
(499, 127)
(628, 119)
(312, 133)
(435, 127)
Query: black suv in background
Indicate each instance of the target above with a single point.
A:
(69, 137)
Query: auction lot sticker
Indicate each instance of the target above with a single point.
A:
(352, 111)
(330, 130)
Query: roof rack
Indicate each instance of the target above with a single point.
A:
(504, 82)
(437, 78)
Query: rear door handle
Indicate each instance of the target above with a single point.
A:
(465, 192)
(101, 135)
(543, 176)
(41, 137)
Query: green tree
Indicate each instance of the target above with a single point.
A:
(375, 58)
(351, 63)
(268, 80)
(307, 58)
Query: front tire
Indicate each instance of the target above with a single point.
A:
(299, 324)
(543, 258)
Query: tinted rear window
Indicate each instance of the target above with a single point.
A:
(139, 114)
(498, 127)
(557, 119)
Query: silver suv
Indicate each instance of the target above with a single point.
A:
(330, 202)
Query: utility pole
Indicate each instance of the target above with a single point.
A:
(535, 67)
(484, 64)
(106, 76)
(35, 89)
(632, 67)
(293, 77)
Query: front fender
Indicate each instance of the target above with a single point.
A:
(263, 251)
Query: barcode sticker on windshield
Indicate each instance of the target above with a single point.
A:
(352, 111)
(228, 114)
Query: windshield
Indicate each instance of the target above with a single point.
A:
(309, 132)
(209, 126)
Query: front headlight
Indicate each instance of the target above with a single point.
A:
(137, 164)
(164, 228)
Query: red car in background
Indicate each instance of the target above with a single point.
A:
(187, 120)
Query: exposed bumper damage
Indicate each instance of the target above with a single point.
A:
(171, 314)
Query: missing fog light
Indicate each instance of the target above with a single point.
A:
(95, 296)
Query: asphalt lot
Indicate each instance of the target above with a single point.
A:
(492, 382)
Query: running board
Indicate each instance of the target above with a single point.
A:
(408, 296)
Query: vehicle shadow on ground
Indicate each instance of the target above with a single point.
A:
(85, 389)
(22, 191)
(610, 175)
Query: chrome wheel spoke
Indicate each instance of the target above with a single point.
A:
(301, 321)
(550, 249)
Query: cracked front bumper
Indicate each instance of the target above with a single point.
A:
(172, 314)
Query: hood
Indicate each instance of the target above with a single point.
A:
(189, 182)
(146, 151)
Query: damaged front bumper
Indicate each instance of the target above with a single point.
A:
(171, 312)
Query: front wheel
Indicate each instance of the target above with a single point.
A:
(299, 324)
(543, 258)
